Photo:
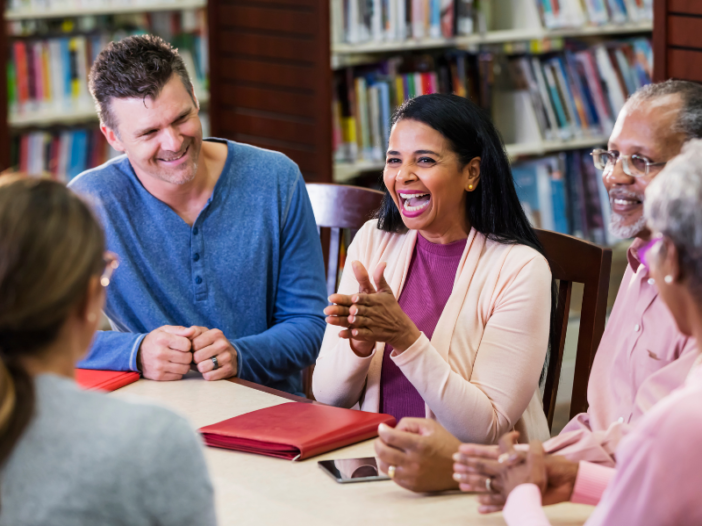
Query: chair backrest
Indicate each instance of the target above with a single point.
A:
(573, 260)
(337, 207)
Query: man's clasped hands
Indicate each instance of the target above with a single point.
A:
(168, 353)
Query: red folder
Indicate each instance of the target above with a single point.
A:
(104, 380)
(294, 430)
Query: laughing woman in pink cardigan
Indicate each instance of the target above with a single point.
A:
(454, 324)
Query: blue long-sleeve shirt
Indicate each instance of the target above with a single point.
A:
(251, 265)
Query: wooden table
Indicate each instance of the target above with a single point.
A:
(256, 490)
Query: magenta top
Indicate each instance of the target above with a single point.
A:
(428, 286)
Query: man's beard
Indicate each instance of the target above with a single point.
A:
(617, 224)
(183, 174)
(619, 229)
(179, 177)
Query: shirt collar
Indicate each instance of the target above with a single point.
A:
(632, 255)
(694, 377)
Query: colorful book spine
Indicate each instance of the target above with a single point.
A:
(60, 155)
(573, 93)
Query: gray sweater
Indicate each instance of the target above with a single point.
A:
(88, 459)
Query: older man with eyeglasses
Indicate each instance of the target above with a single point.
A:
(642, 356)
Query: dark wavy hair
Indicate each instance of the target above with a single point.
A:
(136, 66)
(493, 209)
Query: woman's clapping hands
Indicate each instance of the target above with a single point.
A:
(373, 315)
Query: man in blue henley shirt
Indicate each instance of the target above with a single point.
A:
(220, 259)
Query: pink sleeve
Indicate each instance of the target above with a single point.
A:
(340, 374)
(659, 470)
(590, 483)
(579, 442)
(523, 507)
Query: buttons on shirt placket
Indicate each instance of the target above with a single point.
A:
(196, 250)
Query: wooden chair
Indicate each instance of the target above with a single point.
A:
(573, 260)
(337, 207)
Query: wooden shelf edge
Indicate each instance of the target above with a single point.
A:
(344, 172)
(491, 37)
(105, 10)
(53, 118)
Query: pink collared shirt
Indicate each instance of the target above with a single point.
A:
(659, 471)
(642, 358)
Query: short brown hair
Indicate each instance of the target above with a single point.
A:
(136, 66)
(51, 246)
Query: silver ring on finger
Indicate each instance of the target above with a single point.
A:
(488, 484)
(215, 362)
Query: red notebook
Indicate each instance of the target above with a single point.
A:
(294, 430)
(104, 380)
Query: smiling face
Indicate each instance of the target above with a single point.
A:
(427, 183)
(162, 137)
(644, 128)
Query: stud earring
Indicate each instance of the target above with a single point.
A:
(470, 187)
(668, 279)
(92, 317)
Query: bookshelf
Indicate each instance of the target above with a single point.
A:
(342, 52)
(345, 172)
(271, 67)
(517, 28)
(101, 8)
(50, 122)
(87, 115)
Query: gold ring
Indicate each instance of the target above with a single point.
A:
(504, 457)
(488, 484)
(391, 472)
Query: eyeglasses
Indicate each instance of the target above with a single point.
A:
(111, 263)
(645, 250)
(633, 165)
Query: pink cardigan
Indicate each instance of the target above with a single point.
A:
(659, 470)
(479, 373)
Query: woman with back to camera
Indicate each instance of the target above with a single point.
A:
(658, 476)
(456, 326)
(67, 456)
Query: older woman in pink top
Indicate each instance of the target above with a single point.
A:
(659, 469)
(454, 325)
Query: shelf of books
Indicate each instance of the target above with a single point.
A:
(554, 74)
(342, 53)
(52, 119)
(31, 9)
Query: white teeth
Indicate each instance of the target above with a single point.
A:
(624, 202)
(415, 208)
(410, 196)
(174, 159)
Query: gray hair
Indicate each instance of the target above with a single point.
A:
(673, 207)
(690, 118)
